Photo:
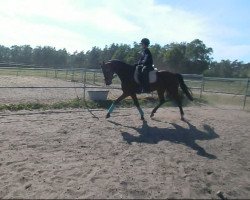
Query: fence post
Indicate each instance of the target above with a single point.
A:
(246, 93)
(73, 74)
(84, 85)
(17, 71)
(94, 78)
(82, 76)
(202, 85)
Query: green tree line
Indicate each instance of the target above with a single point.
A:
(186, 57)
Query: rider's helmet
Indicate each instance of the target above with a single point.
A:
(145, 41)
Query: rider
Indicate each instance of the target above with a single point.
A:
(145, 62)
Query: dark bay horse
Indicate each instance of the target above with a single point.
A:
(166, 82)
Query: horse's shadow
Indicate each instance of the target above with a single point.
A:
(186, 136)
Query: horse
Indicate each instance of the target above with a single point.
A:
(166, 82)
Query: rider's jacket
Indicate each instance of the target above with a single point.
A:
(146, 58)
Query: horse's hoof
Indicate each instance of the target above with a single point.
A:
(142, 118)
(108, 116)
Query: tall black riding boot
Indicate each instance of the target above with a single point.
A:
(146, 86)
(140, 78)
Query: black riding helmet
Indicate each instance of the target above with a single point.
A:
(145, 41)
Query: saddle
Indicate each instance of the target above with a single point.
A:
(152, 76)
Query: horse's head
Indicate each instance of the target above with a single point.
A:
(107, 72)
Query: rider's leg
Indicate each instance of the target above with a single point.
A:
(146, 86)
(140, 78)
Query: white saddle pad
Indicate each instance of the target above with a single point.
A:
(152, 76)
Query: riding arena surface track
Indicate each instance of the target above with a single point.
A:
(80, 154)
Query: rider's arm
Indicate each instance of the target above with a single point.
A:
(146, 58)
(141, 59)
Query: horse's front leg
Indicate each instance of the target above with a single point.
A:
(136, 102)
(111, 108)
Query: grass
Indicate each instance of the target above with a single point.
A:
(234, 87)
(226, 100)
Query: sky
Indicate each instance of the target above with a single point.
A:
(79, 25)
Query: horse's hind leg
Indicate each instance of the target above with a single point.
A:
(178, 100)
(162, 101)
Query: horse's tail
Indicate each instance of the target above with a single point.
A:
(184, 87)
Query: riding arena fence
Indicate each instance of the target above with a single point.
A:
(92, 79)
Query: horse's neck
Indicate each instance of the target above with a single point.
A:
(124, 72)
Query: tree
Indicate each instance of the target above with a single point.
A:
(78, 59)
(158, 54)
(108, 52)
(93, 58)
(193, 57)
(227, 69)
(175, 56)
(122, 53)
(26, 54)
(15, 52)
(61, 59)
(133, 55)
(5, 54)
(48, 56)
(197, 56)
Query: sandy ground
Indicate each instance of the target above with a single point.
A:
(43, 95)
(80, 154)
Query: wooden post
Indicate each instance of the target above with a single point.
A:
(73, 75)
(17, 72)
(94, 78)
(246, 93)
(82, 76)
(202, 86)
(84, 85)
(66, 74)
